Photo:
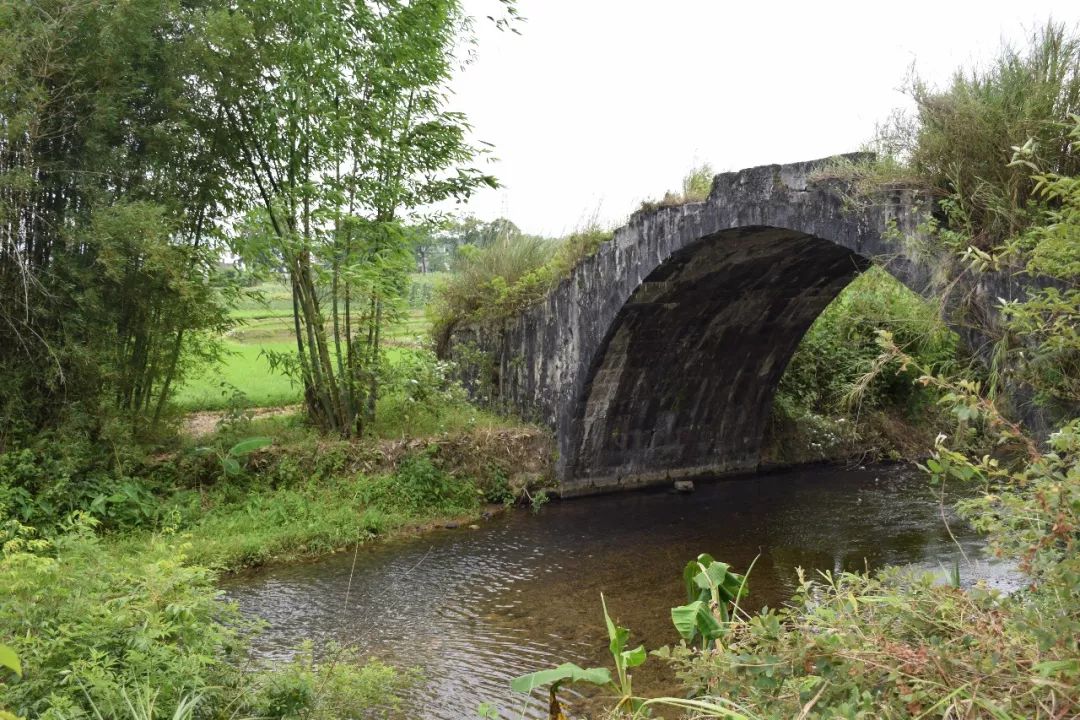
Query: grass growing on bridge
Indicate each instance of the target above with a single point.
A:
(696, 186)
(504, 278)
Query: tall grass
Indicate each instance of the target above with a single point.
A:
(967, 133)
(696, 186)
(507, 276)
(504, 278)
(479, 273)
(961, 139)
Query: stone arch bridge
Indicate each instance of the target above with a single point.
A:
(659, 356)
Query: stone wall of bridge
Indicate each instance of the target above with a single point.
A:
(658, 357)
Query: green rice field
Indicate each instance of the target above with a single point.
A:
(266, 324)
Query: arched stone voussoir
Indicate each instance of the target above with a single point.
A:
(658, 356)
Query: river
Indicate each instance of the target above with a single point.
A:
(472, 608)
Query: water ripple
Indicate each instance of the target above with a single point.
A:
(473, 609)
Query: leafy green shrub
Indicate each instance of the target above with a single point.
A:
(480, 275)
(497, 489)
(418, 486)
(91, 625)
(61, 473)
(337, 685)
(418, 389)
(1043, 340)
(504, 278)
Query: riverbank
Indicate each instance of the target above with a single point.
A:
(306, 495)
(112, 614)
(801, 437)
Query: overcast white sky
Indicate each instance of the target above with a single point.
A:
(599, 104)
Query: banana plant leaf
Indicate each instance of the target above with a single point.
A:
(567, 672)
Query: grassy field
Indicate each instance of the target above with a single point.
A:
(245, 369)
(264, 323)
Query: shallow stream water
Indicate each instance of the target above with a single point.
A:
(472, 608)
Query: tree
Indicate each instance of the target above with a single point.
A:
(338, 109)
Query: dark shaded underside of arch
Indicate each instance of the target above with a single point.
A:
(684, 382)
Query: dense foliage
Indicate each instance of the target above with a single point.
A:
(507, 276)
(104, 631)
(112, 190)
(437, 245)
(92, 624)
(831, 403)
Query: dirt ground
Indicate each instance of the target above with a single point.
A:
(199, 424)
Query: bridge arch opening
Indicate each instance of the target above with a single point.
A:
(684, 380)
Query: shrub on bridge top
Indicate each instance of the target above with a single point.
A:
(696, 186)
(479, 273)
(959, 140)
